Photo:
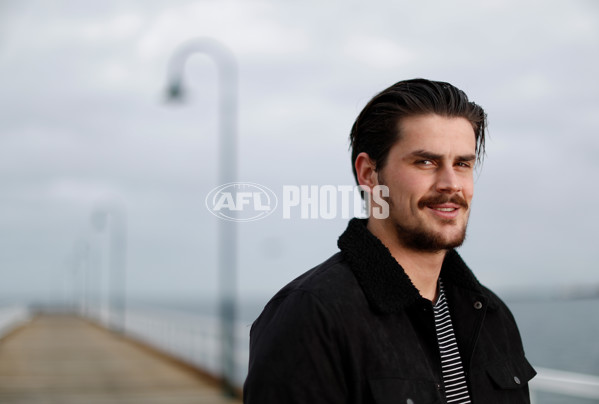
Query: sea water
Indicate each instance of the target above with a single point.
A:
(561, 335)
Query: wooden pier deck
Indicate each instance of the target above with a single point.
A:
(61, 359)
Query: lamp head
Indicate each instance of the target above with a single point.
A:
(175, 92)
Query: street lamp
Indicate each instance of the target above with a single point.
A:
(118, 255)
(227, 170)
(80, 266)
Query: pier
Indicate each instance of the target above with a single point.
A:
(163, 357)
(66, 359)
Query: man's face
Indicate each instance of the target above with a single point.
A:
(429, 172)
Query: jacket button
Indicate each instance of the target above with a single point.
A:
(516, 379)
(478, 305)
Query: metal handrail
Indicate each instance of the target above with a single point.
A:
(571, 384)
(193, 338)
(12, 317)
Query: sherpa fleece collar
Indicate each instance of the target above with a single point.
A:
(384, 282)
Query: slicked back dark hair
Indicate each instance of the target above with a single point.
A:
(376, 129)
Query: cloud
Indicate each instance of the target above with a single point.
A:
(81, 116)
(377, 52)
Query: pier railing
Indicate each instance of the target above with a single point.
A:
(191, 338)
(12, 317)
(565, 383)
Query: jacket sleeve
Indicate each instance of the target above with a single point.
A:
(295, 354)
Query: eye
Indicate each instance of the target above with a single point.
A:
(424, 162)
(464, 164)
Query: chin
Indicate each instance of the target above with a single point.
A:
(447, 240)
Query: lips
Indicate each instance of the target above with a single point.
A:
(443, 204)
(445, 211)
(442, 209)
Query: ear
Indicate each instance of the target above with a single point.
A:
(366, 171)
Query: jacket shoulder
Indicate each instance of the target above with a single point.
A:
(296, 338)
(325, 294)
(324, 282)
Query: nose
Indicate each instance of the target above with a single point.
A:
(447, 181)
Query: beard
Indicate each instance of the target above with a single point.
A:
(420, 238)
(427, 240)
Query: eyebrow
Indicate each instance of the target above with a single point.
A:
(467, 157)
(434, 156)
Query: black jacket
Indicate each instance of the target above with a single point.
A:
(355, 330)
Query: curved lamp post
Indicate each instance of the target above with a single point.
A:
(227, 169)
(118, 253)
(81, 266)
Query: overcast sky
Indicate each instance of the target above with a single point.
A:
(83, 120)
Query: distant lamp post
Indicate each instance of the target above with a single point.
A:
(227, 169)
(81, 267)
(118, 254)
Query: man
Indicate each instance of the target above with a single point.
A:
(396, 316)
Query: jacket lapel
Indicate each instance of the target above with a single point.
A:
(387, 287)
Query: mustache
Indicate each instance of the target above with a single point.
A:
(441, 199)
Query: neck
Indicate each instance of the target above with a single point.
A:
(423, 268)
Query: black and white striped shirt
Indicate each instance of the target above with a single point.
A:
(454, 378)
